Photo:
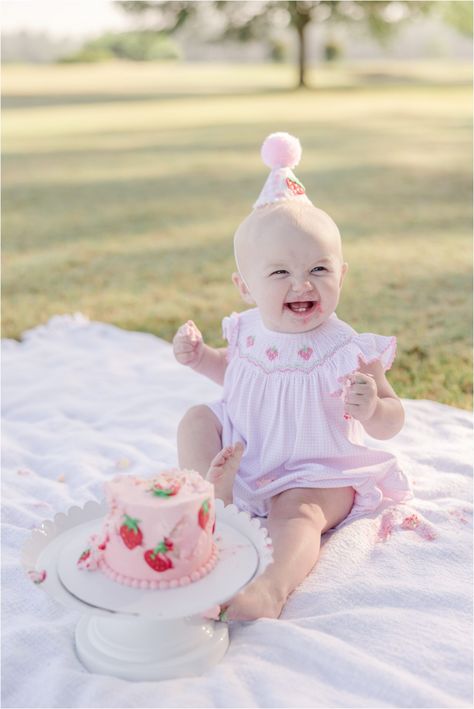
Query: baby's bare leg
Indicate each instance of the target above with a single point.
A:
(200, 448)
(199, 439)
(296, 521)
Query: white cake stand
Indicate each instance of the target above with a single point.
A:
(140, 634)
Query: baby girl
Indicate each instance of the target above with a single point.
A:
(300, 389)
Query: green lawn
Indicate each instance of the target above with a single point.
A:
(123, 184)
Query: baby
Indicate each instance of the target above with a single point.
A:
(300, 388)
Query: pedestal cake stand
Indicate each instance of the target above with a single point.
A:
(140, 634)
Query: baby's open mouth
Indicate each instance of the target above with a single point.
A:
(302, 307)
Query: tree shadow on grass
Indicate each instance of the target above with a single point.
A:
(16, 101)
(364, 199)
(361, 82)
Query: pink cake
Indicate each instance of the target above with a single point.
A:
(158, 531)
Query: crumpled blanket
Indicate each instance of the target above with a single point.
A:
(384, 619)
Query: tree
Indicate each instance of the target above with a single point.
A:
(139, 46)
(256, 20)
(458, 14)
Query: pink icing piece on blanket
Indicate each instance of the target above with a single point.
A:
(459, 515)
(37, 576)
(411, 522)
(387, 525)
(425, 532)
(390, 522)
(422, 529)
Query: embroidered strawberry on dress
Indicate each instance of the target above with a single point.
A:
(250, 341)
(272, 353)
(305, 353)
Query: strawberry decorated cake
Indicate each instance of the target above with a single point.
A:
(158, 532)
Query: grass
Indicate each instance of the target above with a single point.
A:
(123, 185)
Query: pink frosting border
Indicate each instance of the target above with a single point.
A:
(163, 584)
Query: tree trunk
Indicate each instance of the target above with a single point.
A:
(300, 28)
(301, 20)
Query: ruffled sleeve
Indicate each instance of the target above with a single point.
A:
(230, 332)
(346, 360)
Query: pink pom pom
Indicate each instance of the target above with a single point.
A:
(281, 150)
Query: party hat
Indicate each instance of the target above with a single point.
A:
(281, 152)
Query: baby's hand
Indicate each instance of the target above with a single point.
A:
(188, 345)
(360, 397)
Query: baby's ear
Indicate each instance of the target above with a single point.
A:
(344, 269)
(238, 282)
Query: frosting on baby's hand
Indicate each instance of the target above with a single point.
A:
(188, 344)
(360, 396)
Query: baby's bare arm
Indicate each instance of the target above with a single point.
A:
(213, 363)
(190, 350)
(372, 401)
(388, 418)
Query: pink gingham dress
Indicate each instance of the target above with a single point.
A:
(282, 398)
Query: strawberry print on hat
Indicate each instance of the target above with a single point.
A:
(295, 186)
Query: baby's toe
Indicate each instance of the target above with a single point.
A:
(221, 457)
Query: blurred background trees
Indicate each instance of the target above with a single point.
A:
(247, 21)
(282, 31)
(144, 45)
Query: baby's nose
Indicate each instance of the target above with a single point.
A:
(302, 286)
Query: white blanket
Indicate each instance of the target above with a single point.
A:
(384, 620)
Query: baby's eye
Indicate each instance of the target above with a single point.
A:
(319, 269)
(278, 273)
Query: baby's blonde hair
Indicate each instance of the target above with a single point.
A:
(303, 216)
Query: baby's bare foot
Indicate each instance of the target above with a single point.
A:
(259, 600)
(223, 469)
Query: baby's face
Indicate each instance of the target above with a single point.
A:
(292, 269)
